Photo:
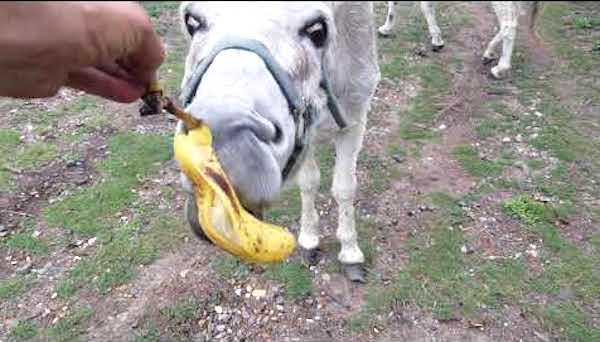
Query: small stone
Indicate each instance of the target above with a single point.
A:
(54, 295)
(238, 292)
(398, 158)
(247, 295)
(218, 309)
(308, 320)
(184, 273)
(463, 249)
(25, 268)
(259, 293)
(538, 114)
(518, 255)
(280, 308)
(36, 234)
(375, 330)
(506, 140)
(442, 127)
(2, 228)
(221, 327)
(92, 241)
(519, 138)
(532, 252)
(248, 288)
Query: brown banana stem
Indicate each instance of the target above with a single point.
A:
(187, 119)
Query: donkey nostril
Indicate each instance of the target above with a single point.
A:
(278, 134)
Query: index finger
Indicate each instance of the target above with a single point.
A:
(144, 61)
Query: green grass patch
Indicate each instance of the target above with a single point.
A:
(121, 252)
(585, 23)
(156, 8)
(149, 333)
(91, 210)
(570, 321)
(487, 129)
(13, 287)
(286, 210)
(528, 210)
(553, 28)
(17, 156)
(35, 156)
(9, 139)
(469, 159)
(229, 267)
(25, 242)
(70, 328)
(24, 331)
(181, 317)
(295, 277)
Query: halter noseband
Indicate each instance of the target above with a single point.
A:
(303, 115)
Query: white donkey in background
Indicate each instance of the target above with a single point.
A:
(263, 76)
(507, 13)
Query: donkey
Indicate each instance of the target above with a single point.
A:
(507, 13)
(263, 76)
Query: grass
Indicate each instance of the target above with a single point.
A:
(12, 288)
(17, 156)
(23, 331)
(25, 242)
(181, 317)
(552, 28)
(92, 209)
(229, 267)
(116, 261)
(149, 333)
(156, 8)
(469, 159)
(568, 320)
(585, 23)
(528, 211)
(294, 277)
(71, 327)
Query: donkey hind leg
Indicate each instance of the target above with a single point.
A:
(308, 179)
(508, 16)
(390, 20)
(437, 43)
(348, 146)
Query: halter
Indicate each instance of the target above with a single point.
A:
(303, 116)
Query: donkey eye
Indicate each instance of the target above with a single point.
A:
(317, 32)
(193, 24)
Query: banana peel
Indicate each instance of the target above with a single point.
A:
(222, 218)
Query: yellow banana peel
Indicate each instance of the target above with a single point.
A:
(222, 218)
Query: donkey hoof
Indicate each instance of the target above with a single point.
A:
(437, 48)
(498, 73)
(356, 273)
(382, 31)
(488, 60)
(191, 213)
(310, 256)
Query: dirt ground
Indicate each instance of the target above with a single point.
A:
(478, 206)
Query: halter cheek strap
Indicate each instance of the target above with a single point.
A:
(303, 116)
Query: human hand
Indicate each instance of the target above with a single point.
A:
(106, 49)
